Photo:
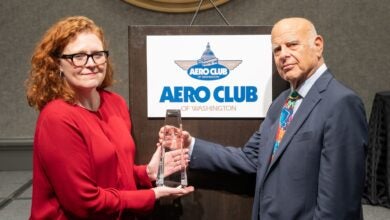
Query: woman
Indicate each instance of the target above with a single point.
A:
(83, 166)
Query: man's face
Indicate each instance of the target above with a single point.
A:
(296, 52)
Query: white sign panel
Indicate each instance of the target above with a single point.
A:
(209, 76)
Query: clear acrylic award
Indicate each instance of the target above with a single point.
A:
(172, 140)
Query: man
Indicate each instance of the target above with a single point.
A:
(308, 167)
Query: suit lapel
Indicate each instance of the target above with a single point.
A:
(308, 103)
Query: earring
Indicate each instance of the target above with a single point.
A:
(61, 74)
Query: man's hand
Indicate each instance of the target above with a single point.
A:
(167, 133)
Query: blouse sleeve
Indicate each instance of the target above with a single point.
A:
(66, 161)
(142, 177)
(140, 174)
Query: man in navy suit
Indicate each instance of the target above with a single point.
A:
(317, 171)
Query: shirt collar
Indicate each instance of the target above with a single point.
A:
(304, 88)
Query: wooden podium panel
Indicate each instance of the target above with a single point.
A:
(217, 195)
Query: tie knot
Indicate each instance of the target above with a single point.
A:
(294, 95)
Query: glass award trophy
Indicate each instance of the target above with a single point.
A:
(172, 139)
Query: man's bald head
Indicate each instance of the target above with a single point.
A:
(298, 24)
(297, 49)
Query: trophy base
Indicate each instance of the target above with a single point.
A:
(170, 183)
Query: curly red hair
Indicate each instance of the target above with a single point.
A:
(45, 82)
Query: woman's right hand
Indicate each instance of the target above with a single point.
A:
(174, 161)
(164, 191)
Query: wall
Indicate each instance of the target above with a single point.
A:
(356, 41)
(355, 32)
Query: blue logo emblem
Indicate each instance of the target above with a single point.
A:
(208, 67)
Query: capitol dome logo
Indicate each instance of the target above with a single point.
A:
(208, 67)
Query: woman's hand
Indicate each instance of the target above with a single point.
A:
(174, 161)
(164, 191)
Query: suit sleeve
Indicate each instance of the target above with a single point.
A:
(215, 157)
(341, 175)
(66, 163)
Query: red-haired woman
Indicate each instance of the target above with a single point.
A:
(83, 166)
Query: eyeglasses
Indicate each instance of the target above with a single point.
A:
(81, 59)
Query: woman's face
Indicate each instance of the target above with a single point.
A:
(84, 77)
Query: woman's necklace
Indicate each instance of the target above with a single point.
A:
(92, 107)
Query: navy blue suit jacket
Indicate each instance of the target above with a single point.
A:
(318, 170)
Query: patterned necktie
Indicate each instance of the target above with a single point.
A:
(286, 117)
